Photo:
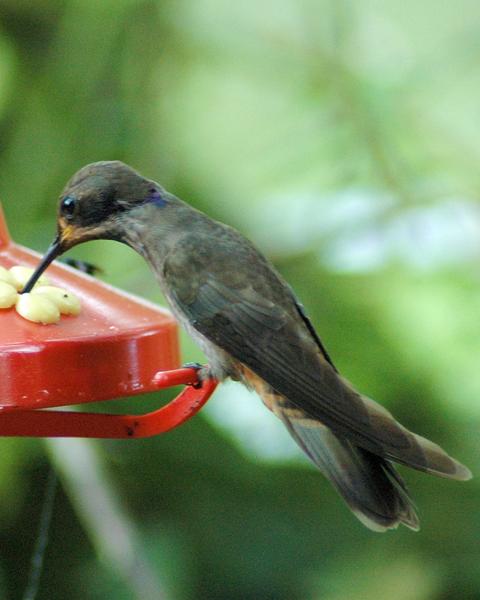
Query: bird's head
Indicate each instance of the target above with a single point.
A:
(95, 204)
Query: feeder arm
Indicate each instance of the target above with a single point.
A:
(60, 423)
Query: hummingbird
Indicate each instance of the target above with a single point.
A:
(253, 329)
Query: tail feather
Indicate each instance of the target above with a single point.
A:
(407, 448)
(370, 486)
(360, 467)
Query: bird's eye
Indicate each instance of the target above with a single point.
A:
(67, 208)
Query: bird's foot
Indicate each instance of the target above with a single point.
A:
(203, 373)
(83, 266)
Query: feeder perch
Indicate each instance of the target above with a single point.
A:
(118, 346)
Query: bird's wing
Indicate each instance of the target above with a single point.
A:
(275, 344)
(369, 484)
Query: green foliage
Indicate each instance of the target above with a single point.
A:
(341, 137)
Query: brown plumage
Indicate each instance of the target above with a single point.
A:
(252, 329)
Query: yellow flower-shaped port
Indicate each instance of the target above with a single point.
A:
(44, 304)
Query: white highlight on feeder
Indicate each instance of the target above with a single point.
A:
(21, 275)
(8, 294)
(66, 302)
(37, 308)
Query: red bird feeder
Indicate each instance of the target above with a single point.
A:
(118, 346)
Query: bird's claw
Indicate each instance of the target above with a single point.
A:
(203, 373)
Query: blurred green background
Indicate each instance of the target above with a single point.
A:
(343, 138)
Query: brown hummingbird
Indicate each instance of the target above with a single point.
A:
(253, 329)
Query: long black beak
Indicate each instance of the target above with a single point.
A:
(55, 250)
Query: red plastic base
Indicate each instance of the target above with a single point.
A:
(113, 349)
